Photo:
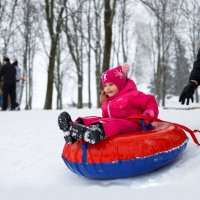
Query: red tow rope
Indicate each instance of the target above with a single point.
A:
(153, 119)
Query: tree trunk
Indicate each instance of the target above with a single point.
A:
(80, 90)
(98, 48)
(58, 79)
(75, 39)
(89, 55)
(54, 35)
(108, 21)
(49, 93)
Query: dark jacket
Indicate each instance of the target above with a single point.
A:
(195, 73)
(8, 72)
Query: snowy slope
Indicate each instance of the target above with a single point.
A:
(31, 166)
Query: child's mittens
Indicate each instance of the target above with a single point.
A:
(125, 68)
(148, 113)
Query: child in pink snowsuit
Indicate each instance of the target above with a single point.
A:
(121, 99)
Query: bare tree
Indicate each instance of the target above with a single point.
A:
(124, 31)
(181, 71)
(2, 11)
(54, 17)
(7, 14)
(74, 32)
(59, 75)
(29, 35)
(121, 30)
(89, 27)
(166, 18)
(109, 12)
(98, 52)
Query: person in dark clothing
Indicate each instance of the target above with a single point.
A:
(18, 85)
(194, 81)
(8, 72)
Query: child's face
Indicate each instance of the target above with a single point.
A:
(110, 89)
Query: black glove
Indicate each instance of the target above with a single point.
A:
(188, 93)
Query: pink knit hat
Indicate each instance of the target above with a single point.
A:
(116, 76)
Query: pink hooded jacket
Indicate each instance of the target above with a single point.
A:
(129, 101)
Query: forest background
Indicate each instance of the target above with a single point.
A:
(63, 46)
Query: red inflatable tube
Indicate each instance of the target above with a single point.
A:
(140, 152)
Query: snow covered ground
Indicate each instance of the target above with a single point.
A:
(31, 166)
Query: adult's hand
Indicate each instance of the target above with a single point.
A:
(188, 93)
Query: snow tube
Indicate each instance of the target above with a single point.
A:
(127, 155)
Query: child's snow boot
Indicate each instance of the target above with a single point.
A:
(64, 123)
(92, 134)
